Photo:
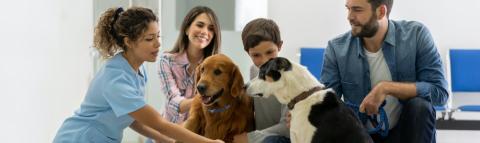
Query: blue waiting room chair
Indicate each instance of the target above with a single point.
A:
(312, 58)
(465, 74)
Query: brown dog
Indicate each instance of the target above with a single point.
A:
(220, 108)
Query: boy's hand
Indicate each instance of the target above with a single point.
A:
(289, 118)
(240, 138)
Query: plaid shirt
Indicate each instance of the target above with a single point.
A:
(175, 83)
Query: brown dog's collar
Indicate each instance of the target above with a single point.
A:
(302, 96)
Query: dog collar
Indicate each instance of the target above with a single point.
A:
(217, 110)
(302, 96)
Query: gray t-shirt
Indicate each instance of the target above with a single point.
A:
(270, 116)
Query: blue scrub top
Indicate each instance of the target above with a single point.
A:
(115, 91)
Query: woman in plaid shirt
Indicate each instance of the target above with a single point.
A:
(199, 38)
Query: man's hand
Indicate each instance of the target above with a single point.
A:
(374, 99)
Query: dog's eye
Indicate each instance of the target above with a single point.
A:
(217, 72)
(275, 75)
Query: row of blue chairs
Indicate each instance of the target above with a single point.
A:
(463, 74)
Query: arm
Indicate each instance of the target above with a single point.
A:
(330, 75)
(281, 127)
(377, 95)
(151, 133)
(149, 117)
(430, 78)
(176, 103)
(431, 83)
(278, 129)
(402, 91)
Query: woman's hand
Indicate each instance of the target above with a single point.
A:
(165, 141)
(217, 141)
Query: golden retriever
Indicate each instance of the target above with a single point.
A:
(220, 108)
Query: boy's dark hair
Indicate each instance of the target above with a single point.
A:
(260, 30)
(376, 3)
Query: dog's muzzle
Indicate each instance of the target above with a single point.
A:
(201, 88)
(245, 87)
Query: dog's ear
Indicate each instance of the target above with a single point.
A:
(237, 82)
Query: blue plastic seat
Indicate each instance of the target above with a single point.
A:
(471, 108)
(312, 58)
(440, 108)
(465, 73)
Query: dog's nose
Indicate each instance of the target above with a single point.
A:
(246, 85)
(201, 88)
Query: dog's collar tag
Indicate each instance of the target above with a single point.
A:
(302, 96)
(217, 110)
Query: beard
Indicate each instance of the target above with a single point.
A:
(368, 29)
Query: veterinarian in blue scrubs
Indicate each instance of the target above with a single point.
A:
(115, 98)
(387, 61)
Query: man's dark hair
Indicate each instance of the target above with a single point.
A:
(376, 3)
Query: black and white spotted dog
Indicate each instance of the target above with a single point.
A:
(318, 116)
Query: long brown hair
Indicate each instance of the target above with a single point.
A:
(115, 24)
(183, 41)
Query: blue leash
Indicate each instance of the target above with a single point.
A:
(218, 110)
(381, 127)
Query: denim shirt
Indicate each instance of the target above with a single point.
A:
(411, 56)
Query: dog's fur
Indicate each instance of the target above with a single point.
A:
(220, 87)
(321, 117)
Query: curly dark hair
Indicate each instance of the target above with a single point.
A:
(115, 24)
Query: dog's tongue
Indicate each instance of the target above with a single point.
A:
(206, 99)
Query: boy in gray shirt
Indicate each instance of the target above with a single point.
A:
(261, 40)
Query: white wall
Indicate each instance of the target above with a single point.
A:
(45, 66)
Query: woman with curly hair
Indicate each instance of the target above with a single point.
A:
(115, 98)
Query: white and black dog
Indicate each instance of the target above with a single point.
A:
(318, 116)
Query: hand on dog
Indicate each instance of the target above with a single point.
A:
(165, 141)
(289, 118)
(240, 138)
(217, 141)
(373, 100)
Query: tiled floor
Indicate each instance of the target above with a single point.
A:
(443, 136)
(460, 136)
(452, 136)
(463, 136)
